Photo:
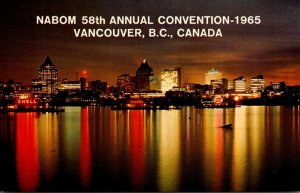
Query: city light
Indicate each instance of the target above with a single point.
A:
(236, 98)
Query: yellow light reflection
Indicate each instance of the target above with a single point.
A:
(209, 144)
(48, 144)
(240, 140)
(256, 127)
(71, 136)
(169, 155)
(275, 124)
(213, 149)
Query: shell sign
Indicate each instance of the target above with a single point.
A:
(27, 101)
(218, 99)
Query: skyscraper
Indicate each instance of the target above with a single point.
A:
(212, 75)
(170, 79)
(48, 77)
(143, 74)
(123, 83)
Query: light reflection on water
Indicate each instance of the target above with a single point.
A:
(97, 149)
(48, 145)
(27, 162)
(169, 151)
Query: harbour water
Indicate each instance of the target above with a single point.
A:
(99, 149)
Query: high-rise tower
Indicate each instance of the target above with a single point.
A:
(48, 75)
(143, 74)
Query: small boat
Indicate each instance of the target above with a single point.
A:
(227, 126)
(134, 103)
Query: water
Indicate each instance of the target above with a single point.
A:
(97, 149)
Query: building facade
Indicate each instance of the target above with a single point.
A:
(154, 83)
(278, 85)
(67, 85)
(48, 76)
(257, 84)
(142, 77)
(124, 83)
(240, 84)
(230, 85)
(217, 86)
(170, 79)
(212, 75)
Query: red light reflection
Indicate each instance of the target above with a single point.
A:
(27, 152)
(85, 153)
(137, 148)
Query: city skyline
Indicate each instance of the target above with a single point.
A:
(271, 48)
(84, 73)
(158, 76)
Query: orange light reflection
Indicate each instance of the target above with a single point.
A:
(48, 145)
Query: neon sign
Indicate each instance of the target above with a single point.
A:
(27, 101)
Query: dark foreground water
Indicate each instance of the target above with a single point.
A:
(97, 149)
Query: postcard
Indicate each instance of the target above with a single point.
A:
(140, 96)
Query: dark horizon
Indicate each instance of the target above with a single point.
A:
(270, 48)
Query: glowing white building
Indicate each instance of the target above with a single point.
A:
(240, 84)
(257, 84)
(212, 75)
(170, 79)
(47, 82)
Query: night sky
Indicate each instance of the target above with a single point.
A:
(271, 48)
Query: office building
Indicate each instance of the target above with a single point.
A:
(217, 85)
(240, 84)
(170, 79)
(143, 74)
(257, 84)
(278, 85)
(154, 83)
(212, 75)
(98, 86)
(67, 85)
(230, 85)
(47, 77)
(123, 83)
